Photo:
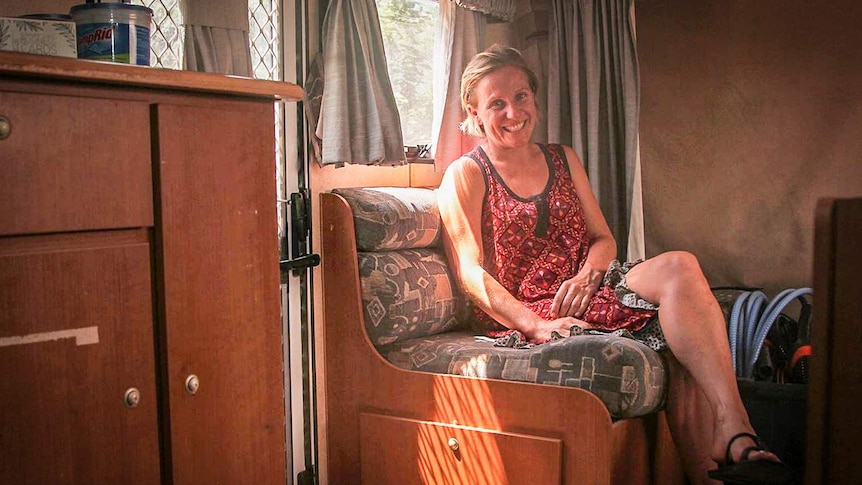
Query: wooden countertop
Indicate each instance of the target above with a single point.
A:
(18, 65)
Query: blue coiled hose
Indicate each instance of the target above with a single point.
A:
(750, 322)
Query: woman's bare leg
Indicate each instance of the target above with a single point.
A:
(696, 333)
(689, 417)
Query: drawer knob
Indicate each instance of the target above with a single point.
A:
(453, 444)
(192, 384)
(5, 127)
(132, 397)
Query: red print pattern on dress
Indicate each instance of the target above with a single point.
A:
(532, 267)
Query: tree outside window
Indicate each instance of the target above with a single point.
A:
(408, 36)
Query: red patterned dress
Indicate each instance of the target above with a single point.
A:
(531, 246)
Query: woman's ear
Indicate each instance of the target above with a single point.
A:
(474, 113)
(473, 117)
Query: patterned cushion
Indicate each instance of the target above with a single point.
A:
(389, 218)
(625, 374)
(416, 316)
(408, 293)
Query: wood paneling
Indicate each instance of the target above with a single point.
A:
(61, 68)
(219, 257)
(833, 433)
(76, 331)
(72, 163)
(406, 451)
(189, 159)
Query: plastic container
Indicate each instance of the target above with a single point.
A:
(115, 32)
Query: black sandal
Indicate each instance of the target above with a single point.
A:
(750, 471)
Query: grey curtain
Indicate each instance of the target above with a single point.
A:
(593, 100)
(460, 36)
(217, 37)
(359, 120)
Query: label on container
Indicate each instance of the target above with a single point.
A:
(125, 43)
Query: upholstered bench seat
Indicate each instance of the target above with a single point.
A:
(417, 319)
(626, 375)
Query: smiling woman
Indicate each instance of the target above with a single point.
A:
(529, 244)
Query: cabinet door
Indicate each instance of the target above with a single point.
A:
(76, 332)
(405, 451)
(73, 163)
(219, 275)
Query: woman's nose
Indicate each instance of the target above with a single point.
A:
(511, 111)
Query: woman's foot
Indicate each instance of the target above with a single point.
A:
(745, 460)
(740, 446)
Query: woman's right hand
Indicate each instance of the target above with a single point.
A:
(563, 325)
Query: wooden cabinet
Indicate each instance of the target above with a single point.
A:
(139, 322)
(74, 164)
(76, 333)
(218, 245)
(406, 451)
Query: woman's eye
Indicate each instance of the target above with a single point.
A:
(521, 96)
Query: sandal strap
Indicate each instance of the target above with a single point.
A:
(747, 451)
(758, 447)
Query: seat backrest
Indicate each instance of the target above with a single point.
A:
(407, 288)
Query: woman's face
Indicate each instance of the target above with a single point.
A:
(505, 107)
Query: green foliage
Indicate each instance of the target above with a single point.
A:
(408, 28)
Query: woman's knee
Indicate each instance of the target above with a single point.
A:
(667, 274)
(681, 267)
(679, 263)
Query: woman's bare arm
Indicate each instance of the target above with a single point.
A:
(574, 294)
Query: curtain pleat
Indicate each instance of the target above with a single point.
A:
(636, 246)
(460, 36)
(637, 243)
(214, 49)
(359, 121)
(593, 100)
(216, 37)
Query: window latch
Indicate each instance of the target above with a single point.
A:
(300, 229)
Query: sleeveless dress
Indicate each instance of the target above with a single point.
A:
(532, 245)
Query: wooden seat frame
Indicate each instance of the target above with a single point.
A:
(595, 448)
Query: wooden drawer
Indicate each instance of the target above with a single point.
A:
(74, 164)
(76, 332)
(405, 451)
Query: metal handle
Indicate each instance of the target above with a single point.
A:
(192, 384)
(5, 127)
(132, 397)
(453, 444)
(302, 262)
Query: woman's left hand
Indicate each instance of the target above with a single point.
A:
(573, 297)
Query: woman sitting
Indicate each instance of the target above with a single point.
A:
(531, 248)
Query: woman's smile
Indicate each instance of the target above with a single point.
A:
(516, 128)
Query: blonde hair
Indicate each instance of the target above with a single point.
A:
(482, 64)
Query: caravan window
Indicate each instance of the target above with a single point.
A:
(408, 28)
